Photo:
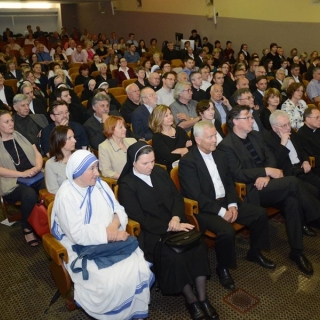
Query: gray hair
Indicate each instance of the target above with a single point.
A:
(179, 88)
(18, 98)
(200, 126)
(130, 86)
(25, 85)
(275, 115)
(239, 93)
(100, 97)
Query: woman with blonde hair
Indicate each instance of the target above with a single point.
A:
(170, 143)
(285, 84)
(113, 151)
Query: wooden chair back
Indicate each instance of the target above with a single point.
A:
(118, 91)
(125, 83)
(121, 98)
(13, 84)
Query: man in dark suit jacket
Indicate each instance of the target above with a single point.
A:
(204, 177)
(94, 125)
(244, 97)
(199, 58)
(8, 94)
(132, 102)
(291, 158)
(309, 135)
(277, 82)
(140, 116)
(251, 162)
(309, 75)
(261, 87)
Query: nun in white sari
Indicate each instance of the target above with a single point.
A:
(85, 212)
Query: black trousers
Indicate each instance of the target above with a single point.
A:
(252, 216)
(290, 196)
(28, 197)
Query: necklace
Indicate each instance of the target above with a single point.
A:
(15, 147)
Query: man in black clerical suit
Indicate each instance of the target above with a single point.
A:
(204, 177)
(250, 161)
(309, 135)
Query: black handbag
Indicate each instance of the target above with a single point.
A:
(182, 240)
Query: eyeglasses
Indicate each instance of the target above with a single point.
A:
(247, 98)
(187, 90)
(283, 126)
(245, 118)
(62, 113)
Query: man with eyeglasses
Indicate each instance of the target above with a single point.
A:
(309, 135)
(184, 108)
(241, 83)
(140, 116)
(165, 94)
(59, 114)
(244, 97)
(250, 161)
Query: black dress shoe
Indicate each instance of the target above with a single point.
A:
(209, 310)
(307, 231)
(261, 260)
(303, 263)
(195, 311)
(225, 278)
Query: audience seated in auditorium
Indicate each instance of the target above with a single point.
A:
(285, 193)
(62, 145)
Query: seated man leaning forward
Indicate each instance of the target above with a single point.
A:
(204, 177)
(250, 161)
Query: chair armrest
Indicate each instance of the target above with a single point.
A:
(54, 248)
(133, 227)
(111, 182)
(312, 161)
(190, 209)
(241, 190)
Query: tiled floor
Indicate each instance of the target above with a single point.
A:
(26, 287)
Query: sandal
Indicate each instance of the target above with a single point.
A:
(31, 243)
